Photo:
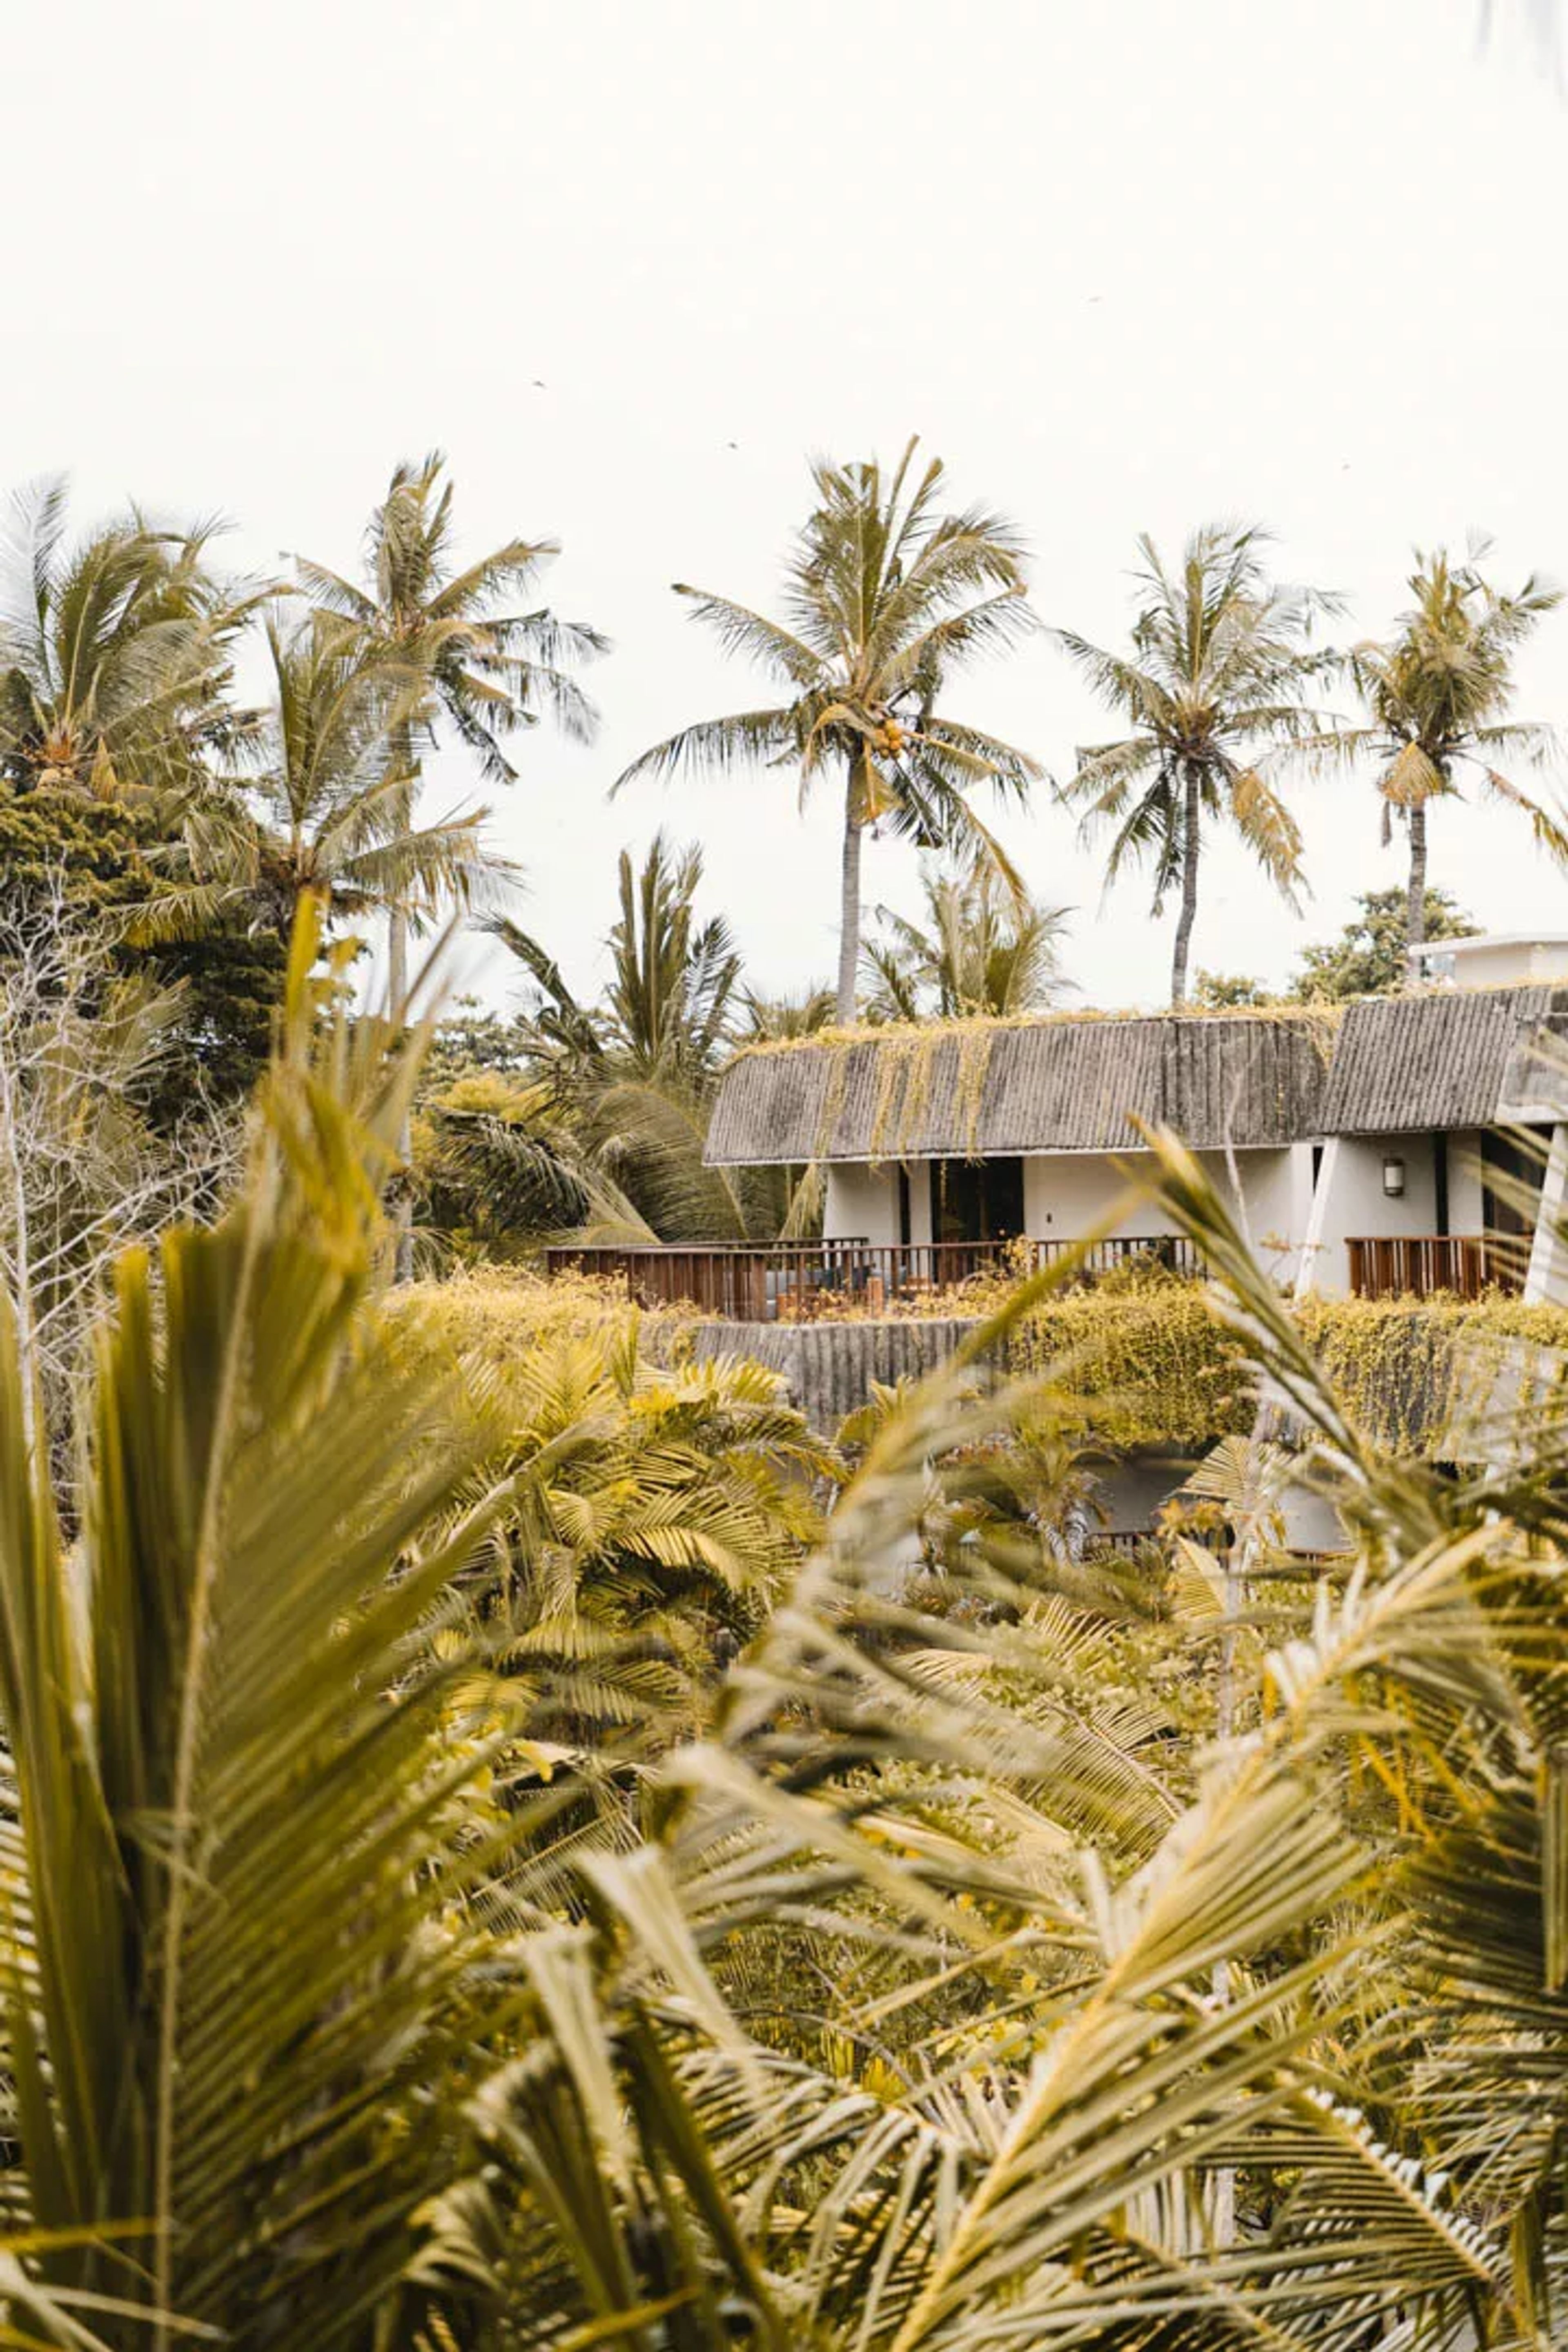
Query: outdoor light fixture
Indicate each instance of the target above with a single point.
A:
(1393, 1179)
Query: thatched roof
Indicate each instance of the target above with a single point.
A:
(1464, 1058)
(991, 1087)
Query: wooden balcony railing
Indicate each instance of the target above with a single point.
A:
(1418, 1266)
(808, 1282)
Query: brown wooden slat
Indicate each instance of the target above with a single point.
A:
(1420, 1265)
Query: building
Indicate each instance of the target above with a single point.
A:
(1442, 1147)
(940, 1146)
(1418, 1144)
(1496, 958)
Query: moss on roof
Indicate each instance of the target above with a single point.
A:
(1322, 1016)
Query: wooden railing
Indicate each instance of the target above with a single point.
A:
(1418, 1266)
(807, 1282)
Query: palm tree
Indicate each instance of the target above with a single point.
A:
(115, 655)
(1213, 680)
(885, 596)
(672, 979)
(633, 1075)
(983, 949)
(1436, 698)
(330, 812)
(492, 671)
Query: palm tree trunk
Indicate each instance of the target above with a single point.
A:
(397, 1007)
(1192, 825)
(850, 898)
(1415, 893)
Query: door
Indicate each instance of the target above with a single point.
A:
(976, 1200)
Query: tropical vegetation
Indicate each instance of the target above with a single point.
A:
(511, 1838)
(555, 1859)
(888, 594)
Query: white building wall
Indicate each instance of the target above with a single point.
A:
(920, 1202)
(1466, 1210)
(1498, 962)
(1066, 1192)
(1351, 1202)
(861, 1203)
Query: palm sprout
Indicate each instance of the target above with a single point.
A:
(983, 949)
(632, 1078)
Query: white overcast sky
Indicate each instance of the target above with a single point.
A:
(1125, 267)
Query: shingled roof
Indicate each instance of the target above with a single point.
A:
(1464, 1058)
(993, 1088)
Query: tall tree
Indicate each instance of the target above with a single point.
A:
(1371, 956)
(1437, 697)
(885, 596)
(981, 949)
(115, 653)
(493, 667)
(330, 812)
(1214, 680)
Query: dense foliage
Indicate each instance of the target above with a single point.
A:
(534, 1882)
(510, 1839)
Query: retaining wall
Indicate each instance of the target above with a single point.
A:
(829, 1367)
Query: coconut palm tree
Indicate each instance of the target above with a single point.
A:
(886, 596)
(1215, 679)
(115, 653)
(1436, 697)
(983, 948)
(492, 671)
(329, 812)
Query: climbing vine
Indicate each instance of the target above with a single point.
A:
(1423, 1378)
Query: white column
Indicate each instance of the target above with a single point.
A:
(1307, 1264)
(1546, 1283)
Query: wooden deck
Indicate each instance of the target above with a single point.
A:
(807, 1282)
(1421, 1265)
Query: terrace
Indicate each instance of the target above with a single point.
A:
(821, 1282)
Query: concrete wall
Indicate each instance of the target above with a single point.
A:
(829, 1367)
(861, 1203)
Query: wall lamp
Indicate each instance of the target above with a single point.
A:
(1393, 1179)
